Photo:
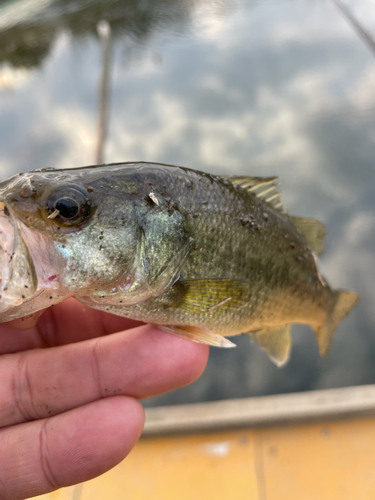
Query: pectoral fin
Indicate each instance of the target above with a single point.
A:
(201, 336)
(213, 295)
(209, 297)
(276, 343)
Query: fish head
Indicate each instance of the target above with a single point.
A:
(61, 233)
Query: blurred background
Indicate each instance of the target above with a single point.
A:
(240, 87)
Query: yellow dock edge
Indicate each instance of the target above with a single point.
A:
(288, 409)
(311, 446)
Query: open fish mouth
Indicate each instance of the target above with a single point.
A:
(18, 280)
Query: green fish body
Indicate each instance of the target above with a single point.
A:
(202, 256)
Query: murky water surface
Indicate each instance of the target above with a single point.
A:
(231, 87)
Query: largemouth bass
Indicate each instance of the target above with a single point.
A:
(202, 256)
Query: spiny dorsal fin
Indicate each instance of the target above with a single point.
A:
(313, 231)
(263, 187)
(276, 343)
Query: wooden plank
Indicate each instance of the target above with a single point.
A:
(268, 410)
(262, 448)
(334, 461)
(320, 461)
(219, 466)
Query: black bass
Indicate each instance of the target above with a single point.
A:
(202, 256)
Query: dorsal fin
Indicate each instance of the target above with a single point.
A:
(263, 187)
(314, 232)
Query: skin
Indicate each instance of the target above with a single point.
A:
(69, 398)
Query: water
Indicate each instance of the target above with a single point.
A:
(231, 87)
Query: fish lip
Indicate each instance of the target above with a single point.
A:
(17, 273)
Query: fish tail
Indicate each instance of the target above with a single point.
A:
(343, 302)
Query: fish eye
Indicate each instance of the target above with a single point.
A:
(68, 207)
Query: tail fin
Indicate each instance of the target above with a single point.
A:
(344, 302)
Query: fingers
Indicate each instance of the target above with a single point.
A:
(71, 321)
(67, 322)
(38, 457)
(140, 362)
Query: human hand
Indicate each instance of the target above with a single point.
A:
(69, 393)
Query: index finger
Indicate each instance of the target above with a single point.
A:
(65, 323)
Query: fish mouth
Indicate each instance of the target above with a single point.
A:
(18, 280)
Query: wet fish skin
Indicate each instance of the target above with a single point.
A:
(199, 254)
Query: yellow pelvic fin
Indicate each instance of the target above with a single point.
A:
(201, 336)
(276, 343)
(345, 301)
(262, 187)
(313, 231)
(213, 295)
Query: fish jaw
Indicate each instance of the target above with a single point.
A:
(18, 278)
(28, 278)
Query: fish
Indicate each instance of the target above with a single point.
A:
(202, 256)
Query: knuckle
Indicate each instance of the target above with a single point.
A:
(96, 367)
(45, 459)
(22, 389)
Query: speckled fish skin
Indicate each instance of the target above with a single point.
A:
(193, 252)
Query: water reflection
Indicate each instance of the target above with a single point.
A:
(237, 86)
(30, 27)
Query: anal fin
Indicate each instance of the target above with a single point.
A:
(276, 343)
(201, 336)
